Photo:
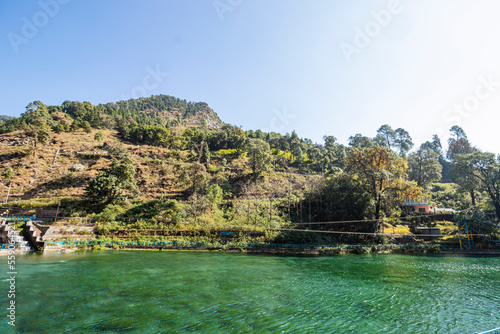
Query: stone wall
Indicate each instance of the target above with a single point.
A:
(58, 232)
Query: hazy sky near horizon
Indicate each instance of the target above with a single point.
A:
(320, 67)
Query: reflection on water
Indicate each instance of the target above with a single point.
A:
(168, 291)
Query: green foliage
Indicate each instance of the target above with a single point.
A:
(286, 155)
(434, 145)
(360, 141)
(313, 181)
(5, 118)
(111, 212)
(447, 195)
(205, 156)
(58, 128)
(99, 137)
(386, 136)
(38, 131)
(36, 109)
(33, 203)
(231, 153)
(111, 182)
(339, 198)
(481, 169)
(86, 127)
(195, 176)
(167, 209)
(481, 222)
(458, 144)
(227, 137)
(107, 226)
(424, 167)
(203, 123)
(399, 138)
(155, 135)
(402, 141)
(383, 175)
(154, 111)
(214, 195)
(260, 156)
(465, 177)
(8, 173)
(154, 105)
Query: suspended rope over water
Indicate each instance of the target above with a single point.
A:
(358, 221)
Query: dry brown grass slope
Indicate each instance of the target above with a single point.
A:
(33, 176)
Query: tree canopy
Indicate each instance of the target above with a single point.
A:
(111, 182)
(483, 167)
(383, 176)
(424, 167)
(260, 156)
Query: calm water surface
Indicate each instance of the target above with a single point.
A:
(198, 292)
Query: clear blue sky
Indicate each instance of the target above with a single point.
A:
(271, 64)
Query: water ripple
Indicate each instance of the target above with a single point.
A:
(160, 292)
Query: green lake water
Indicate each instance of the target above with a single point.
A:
(205, 292)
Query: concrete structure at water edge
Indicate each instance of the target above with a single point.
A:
(429, 233)
(11, 237)
(34, 235)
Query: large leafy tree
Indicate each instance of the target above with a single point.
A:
(465, 178)
(330, 142)
(459, 144)
(386, 135)
(424, 167)
(228, 137)
(260, 156)
(315, 154)
(36, 109)
(111, 182)
(295, 146)
(359, 141)
(394, 139)
(37, 129)
(214, 195)
(435, 145)
(334, 154)
(448, 195)
(341, 198)
(383, 175)
(457, 133)
(402, 141)
(482, 167)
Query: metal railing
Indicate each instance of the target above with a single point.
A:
(18, 218)
(6, 246)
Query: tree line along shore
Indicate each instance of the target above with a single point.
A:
(165, 164)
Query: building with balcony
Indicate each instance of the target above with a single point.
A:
(422, 206)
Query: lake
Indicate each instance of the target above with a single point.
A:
(215, 292)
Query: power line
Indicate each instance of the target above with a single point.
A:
(340, 222)
(336, 232)
(358, 221)
(301, 230)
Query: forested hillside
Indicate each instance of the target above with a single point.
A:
(169, 160)
(158, 110)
